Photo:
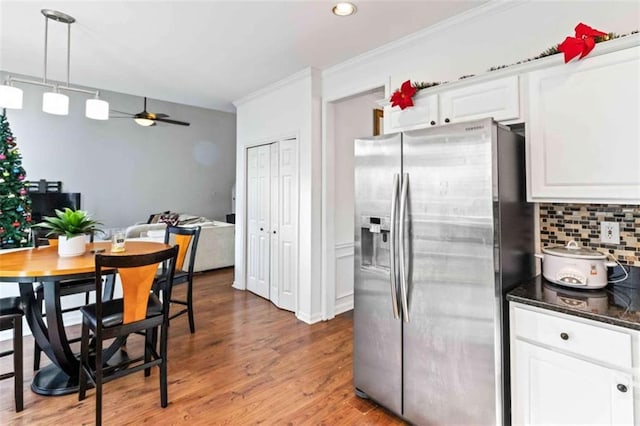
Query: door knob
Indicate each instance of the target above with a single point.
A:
(446, 120)
(262, 229)
(621, 387)
(433, 123)
(274, 232)
(564, 336)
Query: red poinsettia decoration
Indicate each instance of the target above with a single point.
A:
(581, 44)
(403, 96)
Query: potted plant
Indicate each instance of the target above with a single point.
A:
(71, 227)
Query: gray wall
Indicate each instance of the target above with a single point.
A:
(126, 172)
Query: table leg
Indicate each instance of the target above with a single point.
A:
(61, 377)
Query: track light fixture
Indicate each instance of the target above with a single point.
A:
(54, 102)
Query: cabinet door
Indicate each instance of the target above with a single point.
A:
(550, 388)
(423, 113)
(499, 99)
(583, 130)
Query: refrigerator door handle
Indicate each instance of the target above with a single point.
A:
(392, 245)
(401, 237)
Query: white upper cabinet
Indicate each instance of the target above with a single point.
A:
(583, 130)
(499, 98)
(424, 112)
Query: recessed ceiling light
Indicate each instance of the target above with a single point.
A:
(344, 9)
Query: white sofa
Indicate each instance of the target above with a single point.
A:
(215, 246)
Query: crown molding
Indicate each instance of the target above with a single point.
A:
(308, 72)
(492, 6)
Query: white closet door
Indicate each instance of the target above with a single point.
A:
(258, 209)
(275, 157)
(287, 232)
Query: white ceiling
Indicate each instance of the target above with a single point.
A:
(202, 53)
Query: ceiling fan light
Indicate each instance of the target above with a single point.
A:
(145, 122)
(55, 103)
(10, 97)
(344, 9)
(97, 109)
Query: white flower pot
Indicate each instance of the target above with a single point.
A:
(69, 247)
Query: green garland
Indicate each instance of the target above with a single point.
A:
(554, 50)
(548, 52)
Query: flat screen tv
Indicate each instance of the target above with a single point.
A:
(44, 203)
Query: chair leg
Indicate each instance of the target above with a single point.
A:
(192, 325)
(84, 362)
(148, 342)
(154, 338)
(164, 400)
(98, 381)
(17, 363)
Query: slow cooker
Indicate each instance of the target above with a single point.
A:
(575, 266)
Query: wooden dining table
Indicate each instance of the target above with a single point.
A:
(43, 265)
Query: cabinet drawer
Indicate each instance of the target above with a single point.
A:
(587, 340)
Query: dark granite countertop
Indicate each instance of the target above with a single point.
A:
(615, 304)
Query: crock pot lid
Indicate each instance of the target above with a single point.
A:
(572, 249)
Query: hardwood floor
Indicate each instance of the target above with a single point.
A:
(247, 363)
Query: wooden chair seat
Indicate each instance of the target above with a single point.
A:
(112, 312)
(9, 308)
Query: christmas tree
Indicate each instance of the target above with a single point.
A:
(15, 204)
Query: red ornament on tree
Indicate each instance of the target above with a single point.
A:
(16, 224)
(403, 96)
(581, 44)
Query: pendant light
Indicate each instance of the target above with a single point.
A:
(54, 102)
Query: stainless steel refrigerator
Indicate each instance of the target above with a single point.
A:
(442, 231)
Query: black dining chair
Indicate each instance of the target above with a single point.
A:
(68, 287)
(186, 239)
(138, 311)
(11, 314)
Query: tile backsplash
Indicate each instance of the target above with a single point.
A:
(560, 223)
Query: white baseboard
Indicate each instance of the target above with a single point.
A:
(344, 304)
(309, 319)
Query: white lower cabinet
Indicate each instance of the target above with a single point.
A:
(571, 371)
(552, 388)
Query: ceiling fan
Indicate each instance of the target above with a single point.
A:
(146, 118)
